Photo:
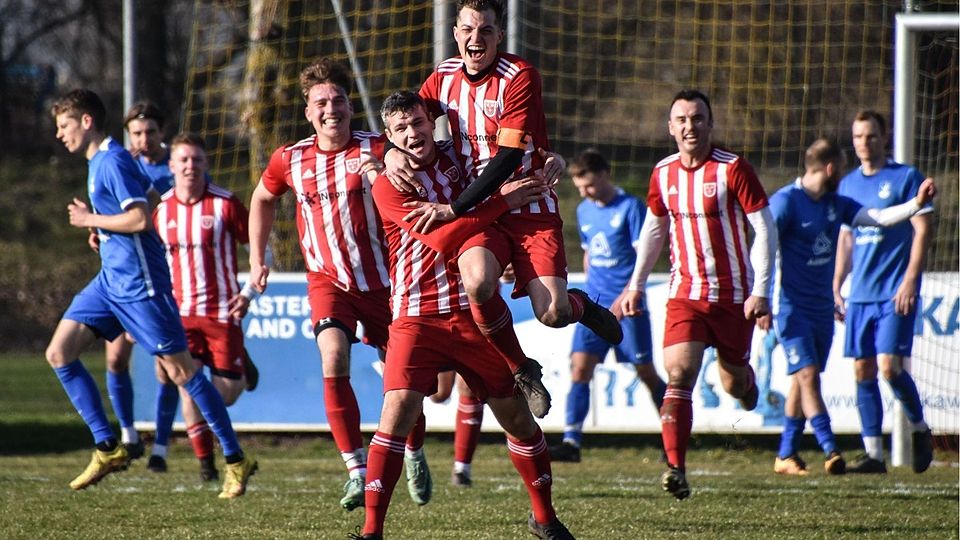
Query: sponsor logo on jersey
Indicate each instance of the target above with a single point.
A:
(490, 107)
(822, 244)
(206, 222)
(599, 246)
(353, 165)
(710, 189)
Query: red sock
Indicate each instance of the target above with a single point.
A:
(201, 439)
(496, 324)
(383, 470)
(343, 413)
(676, 418)
(532, 460)
(576, 307)
(417, 434)
(466, 432)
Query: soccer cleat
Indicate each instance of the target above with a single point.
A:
(749, 401)
(599, 319)
(865, 464)
(157, 464)
(135, 450)
(101, 464)
(353, 494)
(551, 531)
(835, 464)
(566, 452)
(251, 373)
(236, 476)
(674, 481)
(790, 465)
(360, 536)
(922, 450)
(419, 482)
(528, 379)
(208, 470)
(461, 479)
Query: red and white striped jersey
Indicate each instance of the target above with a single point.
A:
(505, 103)
(200, 241)
(420, 264)
(341, 235)
(707, 206)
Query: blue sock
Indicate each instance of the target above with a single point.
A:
(824, 433)
(870, 407)
(85, 396)
(906, 391)
(211, 405)
(578, 404)
(167, 399)
(120, 390)
(658, 393)
(792, 429)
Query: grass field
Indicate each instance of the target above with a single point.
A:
(613, 493)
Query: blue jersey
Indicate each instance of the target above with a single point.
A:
(881, 254)
(808, 231)
(608, 235)
(159, 173)
(133, 266)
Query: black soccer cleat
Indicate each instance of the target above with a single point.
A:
(157, 464)
(208, 470)
(922, 450)
(865, 464)
(135, 450)
(674, 481)
(551, 531)
(528, 379)
(566, 452)
(599, 319)
(251, 373)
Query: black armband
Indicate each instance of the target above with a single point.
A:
(498, 171)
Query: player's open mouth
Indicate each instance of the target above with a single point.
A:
(475, 52)
(331, 121)
(416, 145)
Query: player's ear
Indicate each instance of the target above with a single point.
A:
(86, 121)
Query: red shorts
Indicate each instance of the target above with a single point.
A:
(494, 238)
(538, 249)
(720, 325)
(332, 306)
(422, 347)
(219, 345)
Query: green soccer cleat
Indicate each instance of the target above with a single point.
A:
(102, 464)
(353, 494)
(236, 476)
(419, 481)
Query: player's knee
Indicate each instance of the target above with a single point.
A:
(118, 364)
(581, 374)
(56, 356)
(230, 390)
(480, 287)
(555, 316)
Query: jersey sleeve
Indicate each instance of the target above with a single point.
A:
(914, 179)
(126, 180)
(274, 178)
(655, 197)
(238, 220)
(747, 187)
(848, 209)
(446, 237)
(780, 207)
(635, 215)
(430, 92)
(581, 221)
(522, 111)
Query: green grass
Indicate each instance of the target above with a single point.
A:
(613, 493)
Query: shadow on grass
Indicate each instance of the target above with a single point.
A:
(24, 437)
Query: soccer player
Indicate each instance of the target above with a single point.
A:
(809, 214)
(144, 123)
(432, 319)
(702, 198)
(882, 307)
(131, 292)
(341, 239)
(609, 220)
(200, 225)
(495, 108)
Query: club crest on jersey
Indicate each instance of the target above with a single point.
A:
(490, 107)
(831, 214)
(453, 173)
(885, 191)
(353, 165)
(710, 189)
(206, 222)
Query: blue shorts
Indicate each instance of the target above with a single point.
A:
(874, 328)
(636, 347)
(154, 322)
(805, 339)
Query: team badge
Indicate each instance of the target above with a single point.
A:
(710, 189)
(353, 165)
(453, 173)
(490, 107)
(206, 222)
(885, 190)
(831, 214)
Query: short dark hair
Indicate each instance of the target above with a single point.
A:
(483, 5)
(402, 101)
(589, 161)
(689, 94)
(822, 152)
(869, 114)
(188, 138)
(144, 110)
(325, 71)
(79, 102)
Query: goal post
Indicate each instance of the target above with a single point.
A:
(908, 27)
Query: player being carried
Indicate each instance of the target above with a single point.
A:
(432, 320)
(495, 108)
